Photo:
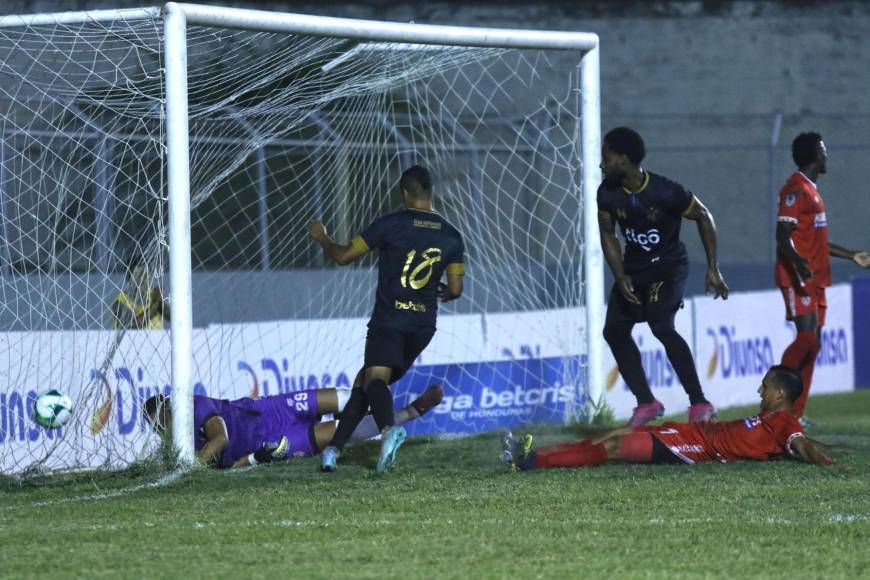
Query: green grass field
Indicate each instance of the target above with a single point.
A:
(453, 511)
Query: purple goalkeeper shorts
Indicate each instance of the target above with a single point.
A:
(300, 440)
(291, 415)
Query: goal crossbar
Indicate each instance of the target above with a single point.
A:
(350, 28)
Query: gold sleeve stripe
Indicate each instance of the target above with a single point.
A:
(604, 214)
(457, 269)
(359, 244)
(691, 205)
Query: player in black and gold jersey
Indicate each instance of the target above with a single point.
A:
(651, 276)
(416, 247)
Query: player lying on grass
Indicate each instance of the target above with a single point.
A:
(772, 434)
(247, 432)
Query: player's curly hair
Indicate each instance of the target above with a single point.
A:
(628, 142)
(805, 148)
(790, 380)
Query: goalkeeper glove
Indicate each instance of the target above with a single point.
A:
(269, 451)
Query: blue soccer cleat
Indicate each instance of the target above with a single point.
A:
(392, 440)
(328, 459)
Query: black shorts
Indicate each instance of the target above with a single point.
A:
(662, 455)
(397, 349)
(660, 291)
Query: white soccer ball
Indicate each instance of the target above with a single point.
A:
(52, 409)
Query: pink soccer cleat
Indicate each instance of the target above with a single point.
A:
(643, 414)
(701, 412)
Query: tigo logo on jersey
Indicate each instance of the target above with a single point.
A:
(644, 240)
(820, 220)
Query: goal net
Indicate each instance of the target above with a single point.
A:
(283, 127)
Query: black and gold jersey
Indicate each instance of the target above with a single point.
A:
(415, 248)
(650, 220)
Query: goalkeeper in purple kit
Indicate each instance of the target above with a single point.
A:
(246, 432)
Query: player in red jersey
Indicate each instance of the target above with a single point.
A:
(772, 434)
(803, 264)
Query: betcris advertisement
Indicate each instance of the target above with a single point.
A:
(497, 370)
(500, 371)
(737, 340)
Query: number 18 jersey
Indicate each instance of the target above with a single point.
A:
(415, 248)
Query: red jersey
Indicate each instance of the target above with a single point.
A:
(762, 437)
(801, 205)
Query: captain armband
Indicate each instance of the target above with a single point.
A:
(456, 269)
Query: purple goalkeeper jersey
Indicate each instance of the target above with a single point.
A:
(244, 427)
(252, 422)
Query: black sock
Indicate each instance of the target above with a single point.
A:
(353, 413)
(382, 403)
(627, 356)
(680, 356)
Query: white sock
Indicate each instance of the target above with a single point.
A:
(343, 396)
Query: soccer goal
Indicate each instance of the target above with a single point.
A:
(159, 166)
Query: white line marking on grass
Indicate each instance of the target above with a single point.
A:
(167, 479)
(842, 518)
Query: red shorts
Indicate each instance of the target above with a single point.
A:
(684, 440)
(797, 304)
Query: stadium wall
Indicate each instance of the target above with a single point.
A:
(500, 369)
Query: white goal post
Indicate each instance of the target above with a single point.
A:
(178, 17)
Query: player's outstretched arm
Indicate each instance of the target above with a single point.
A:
(337, 253)
(267, 453)
(217, 439)
(699, 213)
(613, 254)
(862, 257)
(807, 450)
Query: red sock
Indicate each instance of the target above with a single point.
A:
(799, 350)
(801, 356)
(807, 376)
(582, 454)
